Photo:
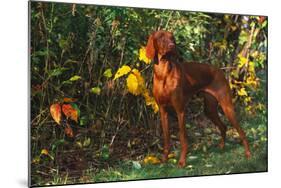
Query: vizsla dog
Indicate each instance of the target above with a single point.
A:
(174, 83)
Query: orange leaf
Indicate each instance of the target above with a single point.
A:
(66, 99)
(70, 112)
(55, 110)
(68, 131)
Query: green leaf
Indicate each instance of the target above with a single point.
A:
(188, 126)
(105, 152)
(136, 165)
(79, 144)
(84, 120)
(107, 73)
(243, 37)
(96, 90)
(76, 108)
(263, 138)
(264, 24)
(41, 53)
(116, 173)
(63, 43)
(56, 144)
(74, 78)
(193, 157)
(172, 161)
(58, 71)
(204, 149)
(69, 61)
(207, 130)
(67, 82)
(87, 142)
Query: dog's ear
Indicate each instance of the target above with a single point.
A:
(150, 48)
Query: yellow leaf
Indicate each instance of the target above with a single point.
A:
(242, 61)
(133, 85)
(151, 160)
(252, 67)
(155, 161)
(135, 82)
(155, 107)
(255, 54)
(242, 92)
(248, 108)
(248, 99)
(238, 82)
(146, 96)
(216, 44)
(252, 81)
(232, 133)
(222, 45)
(260, 106)
(231, 85)
(125, 69)
(136, 86)
(150, 101)
(139, 78)
(44, 152)
(36, 160)
(235, 73)
(142, 55)
(171, 155)
(74, 78)
(233, 27)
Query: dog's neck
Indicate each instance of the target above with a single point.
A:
(173, 58)
(164, 65)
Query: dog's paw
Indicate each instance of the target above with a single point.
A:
(164, 158)
(248, 154)
(181, 163)
(221, 145)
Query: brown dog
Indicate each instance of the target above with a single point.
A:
(174, 83)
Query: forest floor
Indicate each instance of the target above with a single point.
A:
(204, 157)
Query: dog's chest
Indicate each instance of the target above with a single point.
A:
(165, 88)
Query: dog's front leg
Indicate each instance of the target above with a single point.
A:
(183, 139)
(166, 133)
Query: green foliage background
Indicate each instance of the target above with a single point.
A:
(75, 51)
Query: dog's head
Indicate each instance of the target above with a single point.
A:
(160, 43)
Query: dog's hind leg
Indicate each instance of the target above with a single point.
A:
(228, 109)
(220, 89)
(211, 111)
